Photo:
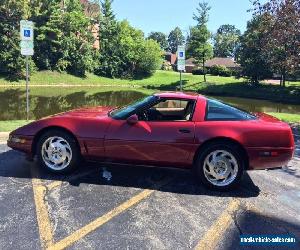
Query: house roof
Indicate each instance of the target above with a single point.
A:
(190, 62)
(224, 61)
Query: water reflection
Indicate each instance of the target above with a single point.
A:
(13, 104)
(260, 105)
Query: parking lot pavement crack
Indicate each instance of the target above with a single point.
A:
(235, 220)
(217, 230)
(269, 220)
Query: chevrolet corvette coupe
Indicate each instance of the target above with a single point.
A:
(173, 129)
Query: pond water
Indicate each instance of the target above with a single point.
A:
(254, 105)
(13, 104)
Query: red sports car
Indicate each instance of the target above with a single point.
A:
(173, 129)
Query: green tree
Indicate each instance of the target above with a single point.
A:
(150, 58)
(198, 43)
(281, 39)
(138, 57)
(226, 41)
(48, 18)
(160, 38)
(175, 39)
(250, 54)
(124, 52)
(109, 59)
(63, 37)
(12, 64)
(77, 40)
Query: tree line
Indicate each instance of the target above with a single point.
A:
(64, 40)
(270, 45)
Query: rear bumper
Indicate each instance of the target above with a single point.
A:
(266, 157)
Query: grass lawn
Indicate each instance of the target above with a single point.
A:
(160, 78)
(287, 117)
(7, 126)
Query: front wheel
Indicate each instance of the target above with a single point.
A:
(220, 166)
(58, 152)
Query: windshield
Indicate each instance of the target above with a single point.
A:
(126, 111)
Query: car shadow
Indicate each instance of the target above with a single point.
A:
(13, 164)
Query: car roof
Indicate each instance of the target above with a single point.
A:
(180, 95)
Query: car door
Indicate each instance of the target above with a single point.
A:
(150, 142)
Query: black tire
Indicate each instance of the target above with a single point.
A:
(76, 156)
(234, 150)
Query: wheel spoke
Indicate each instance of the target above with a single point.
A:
(228, 172)
(214, 156)
(68, 154)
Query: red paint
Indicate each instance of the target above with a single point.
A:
(160, 142)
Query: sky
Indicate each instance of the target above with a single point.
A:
(164, 15)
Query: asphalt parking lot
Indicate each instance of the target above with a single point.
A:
(117, 207)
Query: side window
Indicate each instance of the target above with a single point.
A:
(217, 111)
(168, 104)
(170, 110)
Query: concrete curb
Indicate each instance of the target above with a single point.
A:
(4, 136)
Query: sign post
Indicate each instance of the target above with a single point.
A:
(26, 44)
(181, 62)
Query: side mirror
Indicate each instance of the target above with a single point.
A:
(133, 119)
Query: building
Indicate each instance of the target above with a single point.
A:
(171, 58)
(190, 64)
(223, 61)
(92, 10)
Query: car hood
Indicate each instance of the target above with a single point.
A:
(86, 112)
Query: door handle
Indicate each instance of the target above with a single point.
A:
(184, 131)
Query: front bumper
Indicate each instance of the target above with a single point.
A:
(21, 143)
(265, 158)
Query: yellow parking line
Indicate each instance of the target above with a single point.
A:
(214, 234)
(80, 233)
(43, 219)
(45, 229)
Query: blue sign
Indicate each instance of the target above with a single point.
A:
(26, 33)
(181, 54)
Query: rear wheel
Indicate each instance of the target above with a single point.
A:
(58, 152)
(220, 166)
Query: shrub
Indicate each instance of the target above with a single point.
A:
(220, 70)
(167, 66)
(129, 54)
(149, 58)
(197, 71)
